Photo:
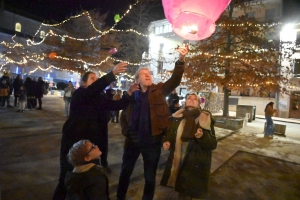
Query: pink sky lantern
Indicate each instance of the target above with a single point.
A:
(194, 19)
(113, 51)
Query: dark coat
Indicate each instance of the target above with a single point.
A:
(88, 118)
(17, 85)
(88, 185)
(159, 110)
(193, 175)
(172, 96)
(39, 88)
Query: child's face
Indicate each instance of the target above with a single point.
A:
(93, 150)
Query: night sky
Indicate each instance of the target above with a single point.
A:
(59, 10)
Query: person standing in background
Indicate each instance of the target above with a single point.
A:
(8, 83)
(39, 92)
(22, 98)
(17, 83)
(69, 90)
(4, 92)
(269, 112)
(116, 97)
(172, 96)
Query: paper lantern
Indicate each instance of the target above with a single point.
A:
(117, 18)
(194, 19)
(52, 55)
(113, 51)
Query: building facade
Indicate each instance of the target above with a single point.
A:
(16, 29)
(163, 42)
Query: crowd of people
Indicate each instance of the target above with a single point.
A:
(148, 122)
(27, 94)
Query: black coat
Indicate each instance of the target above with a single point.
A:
(193, 175)
(17, 85)
(88, 185)
(88, 115)
(39, 89)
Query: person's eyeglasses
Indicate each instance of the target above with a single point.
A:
(93, 147)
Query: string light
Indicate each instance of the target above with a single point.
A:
(101, 33)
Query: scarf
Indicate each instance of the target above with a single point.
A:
(190, 127)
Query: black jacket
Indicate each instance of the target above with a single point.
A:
(39, 89)
(88, 185)
(17, 85)
(88, 118)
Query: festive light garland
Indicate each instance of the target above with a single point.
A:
(51, 33)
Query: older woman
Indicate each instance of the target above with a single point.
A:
(87, 180)
(190, 140)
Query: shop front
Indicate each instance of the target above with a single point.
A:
(294, 105)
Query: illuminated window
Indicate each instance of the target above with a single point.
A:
(42, 34)
(18, 27)
(297, 66)
(156, 30)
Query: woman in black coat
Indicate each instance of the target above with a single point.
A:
(39, 91)
(88, 119)
(190, 140)
(18, 82)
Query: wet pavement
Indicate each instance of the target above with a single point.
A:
(30, 142)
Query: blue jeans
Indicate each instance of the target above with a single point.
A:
(150, 157)
(67, 105)
(269, 126)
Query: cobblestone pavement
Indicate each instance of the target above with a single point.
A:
(30, 142)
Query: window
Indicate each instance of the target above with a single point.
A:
(161, 46)
(42, 34)
(245, 92)
(182, 92)
(250, 14)
(297, 67)
(161, 29)
(269, 14)
(18, 27)
(298, 40)
(156, 30)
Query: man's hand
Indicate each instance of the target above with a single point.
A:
(166, 145)
(119, 68)
(199, 133)
(133, 87)
(183, 52)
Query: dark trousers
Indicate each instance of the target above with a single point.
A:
(103, 157)
(3, 99)
(16, 101)
(115, 116)
(60, 192)
(150, 157)
(39, 101)
(31, 102)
